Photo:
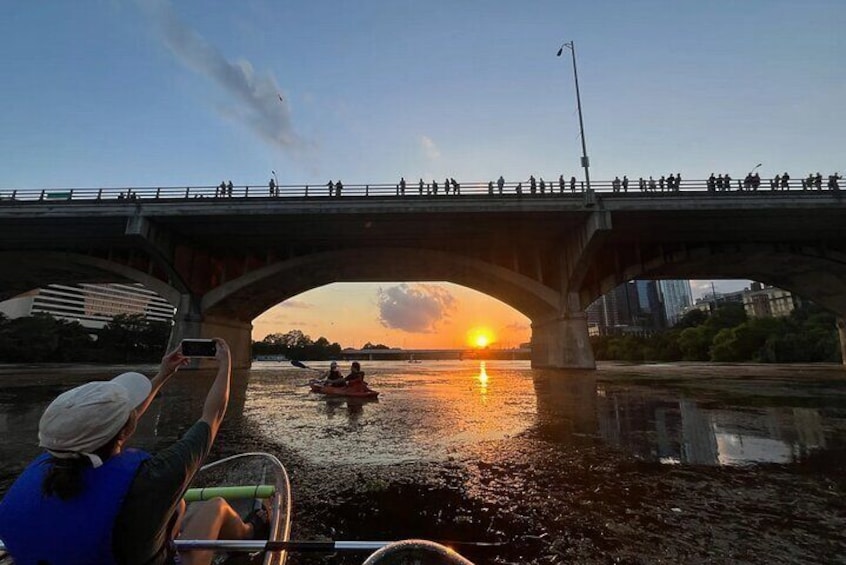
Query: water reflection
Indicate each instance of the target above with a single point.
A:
(483, 382)
(682, 431)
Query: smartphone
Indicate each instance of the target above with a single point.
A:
(199, 348)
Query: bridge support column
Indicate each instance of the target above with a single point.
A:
(562, 343)
(841, 330)
(189, 322)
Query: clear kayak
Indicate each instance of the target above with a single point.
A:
(416, 552)
(248, 481)
(357, 390)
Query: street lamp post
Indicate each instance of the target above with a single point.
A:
(585, 163)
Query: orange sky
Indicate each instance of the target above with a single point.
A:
(406, 315)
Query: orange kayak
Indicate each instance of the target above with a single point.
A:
(358, 390)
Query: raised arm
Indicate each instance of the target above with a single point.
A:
(170, 364)
(218, 396)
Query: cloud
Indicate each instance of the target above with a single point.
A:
(429, 148)
(414, 308)
(256, 99)
(297, 304)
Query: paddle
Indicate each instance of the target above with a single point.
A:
(304, 366)
(309, 545)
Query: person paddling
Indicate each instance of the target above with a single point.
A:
(89, 499)
(356, 376)
(334, 376)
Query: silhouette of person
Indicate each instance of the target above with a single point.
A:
(671, 183)
(542, 186)
(785, 181)
(625, 183)
(775, 183)
(615, 184)
(490, 188)
(402, 186)
(221, 189)
(678, 181)
(832, 181)
(446, 186)
(229, 188)
(338, 187)
(331, 186)
(500, 183)
(651, 184)
(727, 181)
(456, 188)
(712, 183)
(272, 187)
(641, 184)
(434, 187)
(519, 188)
(818, 182)
(533, 185)
(661, 182)
(572, 184)
(561, 184)
(420, 186)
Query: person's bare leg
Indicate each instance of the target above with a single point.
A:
(212, 519)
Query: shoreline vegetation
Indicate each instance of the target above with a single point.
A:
(727, 335)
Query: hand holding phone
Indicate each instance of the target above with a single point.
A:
(199, 348)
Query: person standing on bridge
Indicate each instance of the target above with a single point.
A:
(785, 181)
(533, 184)
(420, 187)
(402, 186)
(338, 188)
(229, 187)
(500, 184)
(272, 187)
(561, 184)
(573, 184)
(331, 186)
(625, 183)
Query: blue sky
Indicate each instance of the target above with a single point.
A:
(152, 93)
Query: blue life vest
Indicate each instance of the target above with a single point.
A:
(46, 530)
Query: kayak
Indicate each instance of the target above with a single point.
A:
(353, 391)
(414, 552)
(247, 481)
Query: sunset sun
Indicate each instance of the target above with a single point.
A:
(480, 337)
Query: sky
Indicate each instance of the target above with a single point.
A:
(100, 93)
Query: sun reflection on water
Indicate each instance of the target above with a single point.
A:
(483, 381)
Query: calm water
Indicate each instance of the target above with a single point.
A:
(571, 465)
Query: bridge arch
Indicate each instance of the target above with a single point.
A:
(811, 272)
(249, 296)
(36, 269)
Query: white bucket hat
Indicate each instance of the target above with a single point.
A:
(85, 418)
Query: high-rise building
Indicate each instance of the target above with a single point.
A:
(92, 305)
(677, 298)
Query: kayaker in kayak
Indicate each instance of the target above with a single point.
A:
(356, 376)
(88, 499)
(334, 377)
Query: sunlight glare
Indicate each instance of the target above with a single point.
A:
(480, 338)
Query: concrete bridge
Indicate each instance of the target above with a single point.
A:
(223, 259)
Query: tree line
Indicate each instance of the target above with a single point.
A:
(728, 335)
(41, 338)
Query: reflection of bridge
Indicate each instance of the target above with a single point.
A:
(222, 261)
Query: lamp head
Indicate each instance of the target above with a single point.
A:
(560, 50)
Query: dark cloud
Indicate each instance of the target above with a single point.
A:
(258, 103)
(414, 308)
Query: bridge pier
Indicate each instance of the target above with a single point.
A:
(189, 322)
(841, 330)
(562, 343)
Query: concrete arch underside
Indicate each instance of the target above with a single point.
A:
(247, 297)
(814, 273)
(22, 271)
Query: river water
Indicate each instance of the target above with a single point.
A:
(626, 464)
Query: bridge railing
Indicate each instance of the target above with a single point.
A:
(412, 190)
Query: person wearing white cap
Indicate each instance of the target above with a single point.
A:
(88, 499)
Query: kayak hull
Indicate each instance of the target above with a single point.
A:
(252, 469)
(352, 391)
